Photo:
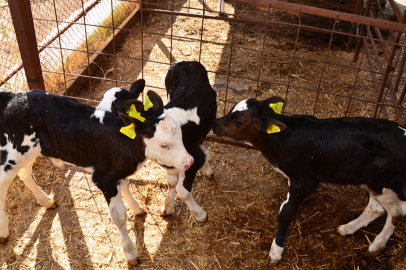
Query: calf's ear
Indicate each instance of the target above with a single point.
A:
(275, 103)
(153, 103)
(137, 87)
(138, 105)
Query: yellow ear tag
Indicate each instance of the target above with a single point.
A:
(129, 131)
(273, 129)
(132, 112)
(277, 107)
(148, 104)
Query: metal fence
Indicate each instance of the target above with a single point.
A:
(327, 58)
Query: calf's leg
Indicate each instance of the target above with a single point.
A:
(395, 208)
(185, 194)
(42, 198)
(298, 191)
(5, 180)
(172, 178)
(133, 204)
(111, 189)
(373, 210)
(184, 186)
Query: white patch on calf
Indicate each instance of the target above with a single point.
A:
(119, 216)
(285, 202)
(372, 211)
(403, 130)
(98, 114)
(182, 116)
(9, 170)
(108, 99)
(275, 253)
(241, 106)
(166, 147)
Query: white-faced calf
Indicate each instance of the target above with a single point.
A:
(192, 105)
(36, 123)
(309, 151)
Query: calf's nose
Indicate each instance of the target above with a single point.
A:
(190, 164)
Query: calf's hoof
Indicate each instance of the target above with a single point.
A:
(343, 230)
(133, 262)
(54, 206)
(204, 219)
(271, 262)
(211, 177)
(142, 213)
(3, 240)
(164, 213)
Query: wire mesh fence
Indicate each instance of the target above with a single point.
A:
(299, 51)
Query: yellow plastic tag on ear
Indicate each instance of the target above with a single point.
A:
(148, 104)
(132, 112)
(129, 131)
(273, 129)
(277, 107)
(140, 95)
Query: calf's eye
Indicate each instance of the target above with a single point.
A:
(164, 146)
(237, 124)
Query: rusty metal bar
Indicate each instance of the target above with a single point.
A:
(384, 16)
(24, 28)
(293, 7)
(387, 70)
(366, 11)
(342, 16)
(217, 139)
(354, 25)
(396, 10)
(380, 38)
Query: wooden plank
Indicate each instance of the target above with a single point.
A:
(75, 84)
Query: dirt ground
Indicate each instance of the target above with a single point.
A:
(244, 200)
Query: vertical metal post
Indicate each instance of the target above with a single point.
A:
(24, 28)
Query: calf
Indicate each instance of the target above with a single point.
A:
(36, 123)
(192, 104)
(309, 151)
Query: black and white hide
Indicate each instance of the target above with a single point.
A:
(309, 151)
(36, 123)
(192, 104)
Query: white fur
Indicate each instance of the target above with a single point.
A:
(170, 203)
(275, 254)
(403, 130)
(285, 202)
(187, 197)
(182, 116)
(371, 212)
(119, 217)
(133, 204)
(221, 7)
(98, 114)
(108, 99)
(168, 133)
(241, 106)
(389, 201)
(24, 163)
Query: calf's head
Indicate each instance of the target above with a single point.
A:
(162, 135)
(249, 117)
(114, 99)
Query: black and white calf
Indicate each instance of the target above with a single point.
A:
(192, 104)
(309, 151)
(36, 123)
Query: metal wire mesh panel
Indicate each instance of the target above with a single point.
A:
(11, 76)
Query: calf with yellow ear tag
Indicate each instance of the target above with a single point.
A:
(309, 151)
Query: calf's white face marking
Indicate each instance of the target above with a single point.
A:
(108, 99)
(99, 114)
(166, 147)
(241, 106)
(182, 116)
